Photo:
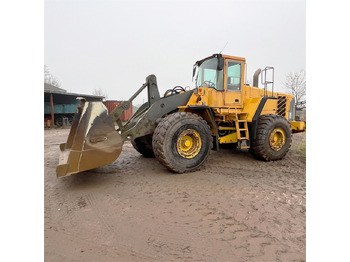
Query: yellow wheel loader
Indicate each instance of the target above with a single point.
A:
(183, 126)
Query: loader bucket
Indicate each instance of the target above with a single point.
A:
(92, 141)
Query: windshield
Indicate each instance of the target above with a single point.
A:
(209, 76)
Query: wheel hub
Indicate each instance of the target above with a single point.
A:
(189, 143)
(277, 139)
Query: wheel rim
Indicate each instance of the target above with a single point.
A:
(189, 143)
(277, 139)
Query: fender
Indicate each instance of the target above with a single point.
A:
(254, 124)
(208, 115)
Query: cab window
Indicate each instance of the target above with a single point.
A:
(233, 82)
(209, 76)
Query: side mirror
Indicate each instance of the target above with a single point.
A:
(221, 62)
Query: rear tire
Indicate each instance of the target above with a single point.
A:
(273, 138)
(143, 145)
(182, 142)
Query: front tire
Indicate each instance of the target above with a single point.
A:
(182, 142)
(143, 145)
(273, 138)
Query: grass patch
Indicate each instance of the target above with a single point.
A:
(300, 150)
(299, 145)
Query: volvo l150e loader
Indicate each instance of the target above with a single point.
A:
(181, 128)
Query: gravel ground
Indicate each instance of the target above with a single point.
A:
(235, 208)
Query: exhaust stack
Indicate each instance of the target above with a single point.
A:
(256, 78)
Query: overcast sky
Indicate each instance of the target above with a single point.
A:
(114, 45)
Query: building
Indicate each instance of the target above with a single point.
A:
(60, 106)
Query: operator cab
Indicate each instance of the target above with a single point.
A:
(224, 74)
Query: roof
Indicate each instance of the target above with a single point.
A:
(234, 57)
(224, 56)
(48, 88)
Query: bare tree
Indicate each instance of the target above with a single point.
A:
(99, 92)
(49, 78)
(296, 85)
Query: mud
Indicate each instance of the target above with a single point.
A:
(235, 208)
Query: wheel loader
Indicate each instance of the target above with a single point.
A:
(181, 127)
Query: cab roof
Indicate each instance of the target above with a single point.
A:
(234, 57)
(224, 56)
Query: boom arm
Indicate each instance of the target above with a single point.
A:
(153, 96)
(143, 122)
(93, 140)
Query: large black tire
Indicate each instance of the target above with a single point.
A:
(182, 142)
(143, 145)
(273, 138)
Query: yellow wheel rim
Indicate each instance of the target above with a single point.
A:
(189, 143)
(277, 139)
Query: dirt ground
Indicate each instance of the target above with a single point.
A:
(235, 208)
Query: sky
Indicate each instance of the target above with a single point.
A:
(115, 45)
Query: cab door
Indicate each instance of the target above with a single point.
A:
(233, 83)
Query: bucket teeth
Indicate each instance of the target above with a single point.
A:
(92, 141)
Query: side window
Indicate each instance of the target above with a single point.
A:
(233, 76)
